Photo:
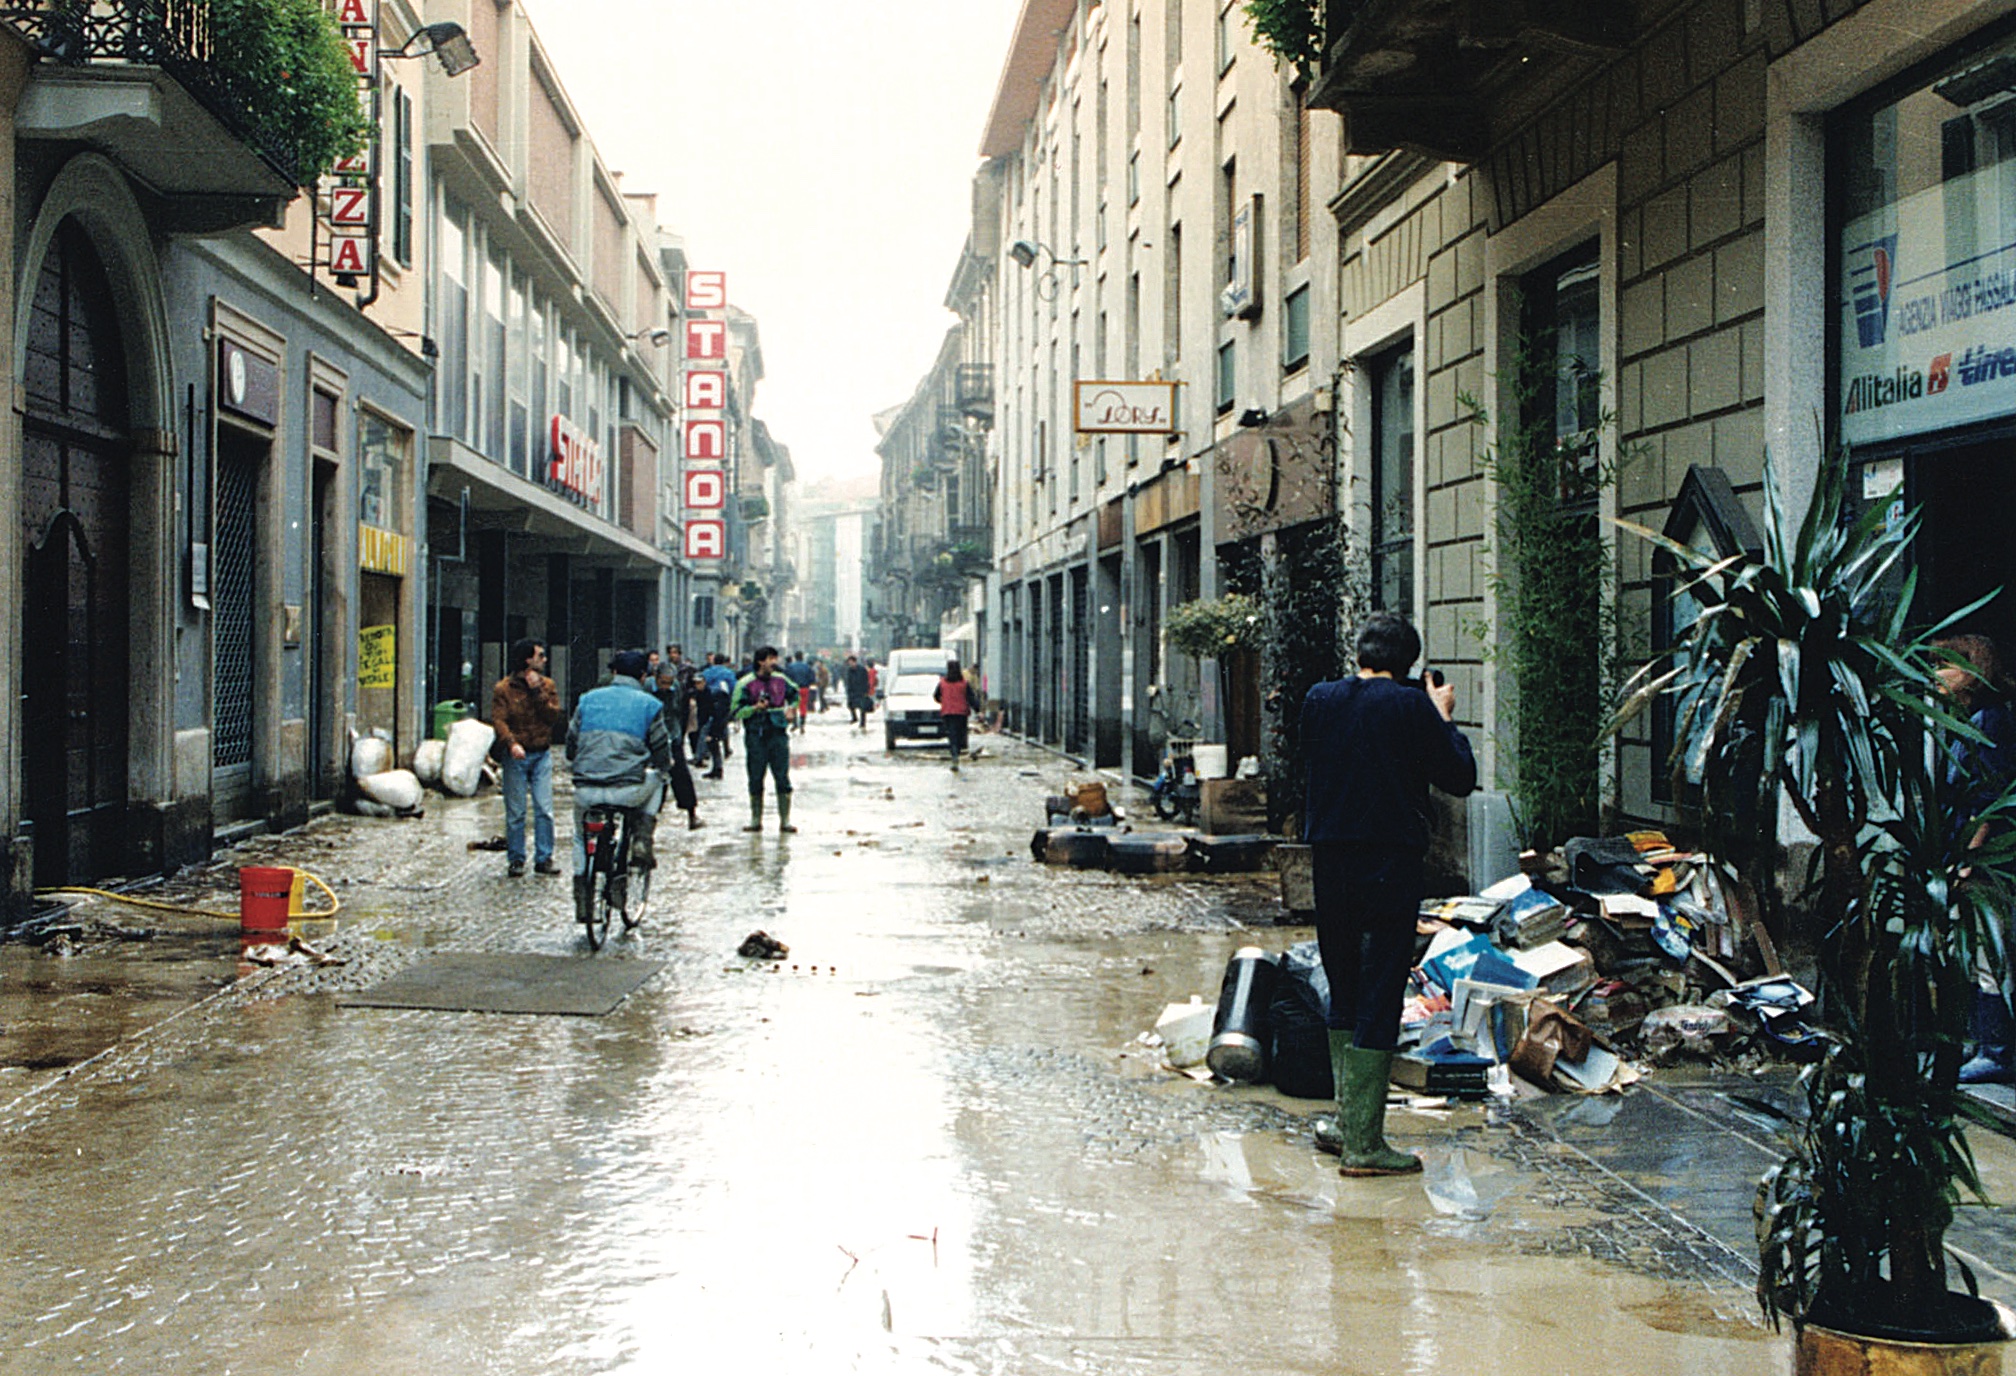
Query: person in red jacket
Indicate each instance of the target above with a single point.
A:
(953, 709)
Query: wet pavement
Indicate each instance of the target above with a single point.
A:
(927, 1140)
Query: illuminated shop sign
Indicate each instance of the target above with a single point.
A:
(704, 480)
(576, 461)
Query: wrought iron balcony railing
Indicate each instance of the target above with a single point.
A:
(175, 36)
(973, 390)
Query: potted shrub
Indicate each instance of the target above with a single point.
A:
(1802, 677)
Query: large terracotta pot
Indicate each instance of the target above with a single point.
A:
(1825, 1352)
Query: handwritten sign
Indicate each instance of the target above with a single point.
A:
(378, 657)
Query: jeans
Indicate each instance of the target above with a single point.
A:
(955, 734)
(645, 798)
(1366, 901)
(768, 748)
(534, 773)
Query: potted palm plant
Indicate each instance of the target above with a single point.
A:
(1802, 677)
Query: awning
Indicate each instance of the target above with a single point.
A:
(501, 500)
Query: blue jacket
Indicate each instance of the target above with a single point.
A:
(1373, 747)
(720, 678)
(617, 732)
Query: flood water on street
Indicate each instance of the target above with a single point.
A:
(926, 1140)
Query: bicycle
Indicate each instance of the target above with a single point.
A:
(1175, 791)
(607, 831)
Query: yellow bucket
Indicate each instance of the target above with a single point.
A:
(294, 904)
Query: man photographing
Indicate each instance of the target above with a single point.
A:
(1374, 744)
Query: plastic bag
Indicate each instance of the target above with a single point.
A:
(371, 754)
(1299, 1019)
(468, 746)
(394, 788)
(427, 762)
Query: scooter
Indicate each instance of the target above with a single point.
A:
(1175, 792)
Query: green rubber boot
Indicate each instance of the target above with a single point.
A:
(784, 813)
(755, 813)
(1362, 1077)
(584, 896)
(1329, 1136)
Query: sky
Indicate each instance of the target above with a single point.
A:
(821, 152)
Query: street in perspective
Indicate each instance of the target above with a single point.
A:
(1102, 686)
(929, 1136)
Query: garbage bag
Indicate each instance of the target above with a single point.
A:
(427, 762)
(468, 746)
(394, 788)
(371, 754)
(1299, 1050)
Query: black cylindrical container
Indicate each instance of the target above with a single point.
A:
(1239, 1032)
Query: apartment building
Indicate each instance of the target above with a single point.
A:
(1159, 186)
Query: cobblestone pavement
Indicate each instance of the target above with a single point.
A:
(927, 1140)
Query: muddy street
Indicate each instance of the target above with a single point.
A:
(926, 1140)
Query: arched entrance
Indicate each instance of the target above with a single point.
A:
(76, 622)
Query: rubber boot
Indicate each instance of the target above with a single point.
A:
(784, 813)
(1329, 1136)
(584, 897)
(1990, 1064)
(755, 813)
(1362, 1077)
(643, 845)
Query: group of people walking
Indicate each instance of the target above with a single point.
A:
(644, 731)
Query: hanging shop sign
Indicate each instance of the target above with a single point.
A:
(348, 200)
(704, 445)
(1124, 408)
(575, 461)
(247, 384)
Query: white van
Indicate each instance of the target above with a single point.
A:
(908, 680)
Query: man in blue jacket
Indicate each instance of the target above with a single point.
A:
(620, 745)
(1374, 745)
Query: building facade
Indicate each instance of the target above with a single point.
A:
(1655, 240)
(1160, 187)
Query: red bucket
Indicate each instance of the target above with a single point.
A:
(263, 891)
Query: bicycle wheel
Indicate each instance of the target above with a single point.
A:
(1166, 806)
(640, 893)
(599, 912)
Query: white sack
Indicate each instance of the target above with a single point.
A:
(468, 746)
(427, 762)
(370, 755)
(395, 788)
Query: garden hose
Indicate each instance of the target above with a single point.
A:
(335, 903)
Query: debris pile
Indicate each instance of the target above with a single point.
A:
(1574, 976)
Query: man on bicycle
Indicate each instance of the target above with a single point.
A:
(620, 744)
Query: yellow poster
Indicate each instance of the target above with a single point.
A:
(378, 657)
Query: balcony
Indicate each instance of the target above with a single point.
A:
(1434, 76)
(136, 79)
(973, 391)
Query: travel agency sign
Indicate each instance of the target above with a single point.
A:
(704, 400)
(1928, 314)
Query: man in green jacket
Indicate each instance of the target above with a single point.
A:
(762, 703)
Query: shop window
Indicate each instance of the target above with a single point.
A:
(1925, 238)
(382, 449)
(1392, 379)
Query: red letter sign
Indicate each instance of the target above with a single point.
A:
(706, 291)
(706, 489)
(706, 440)
(706, 540)
(706, 339)
(706, 391)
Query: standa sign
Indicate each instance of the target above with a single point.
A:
(704, 390)
(576, 461)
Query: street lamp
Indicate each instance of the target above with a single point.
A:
(1024, 252)
(447, 40)
(658, 337)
